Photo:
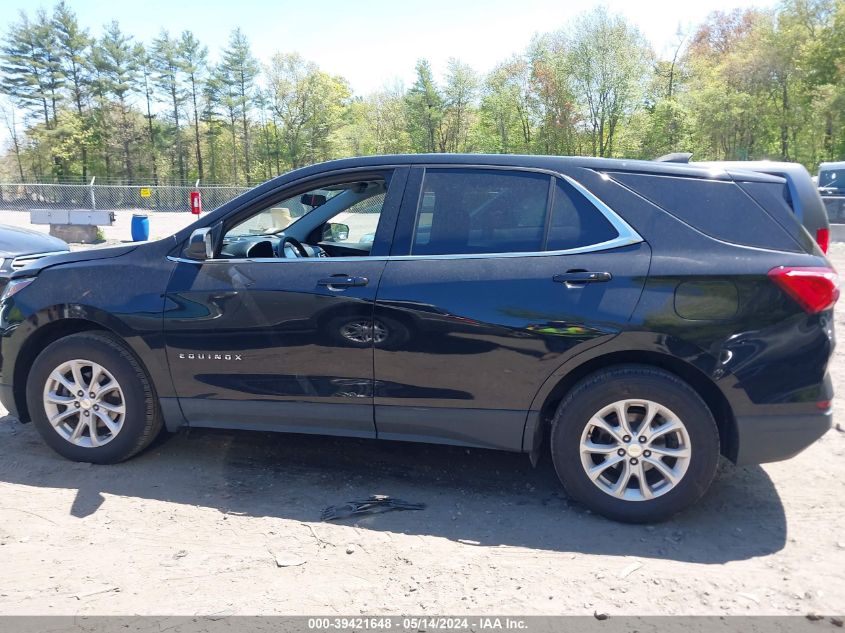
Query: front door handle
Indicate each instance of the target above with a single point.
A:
(340, 282)
(571, 277)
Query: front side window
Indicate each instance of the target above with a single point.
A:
(465, 211)
(331, 221)
(281, 215)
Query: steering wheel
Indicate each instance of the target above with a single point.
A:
(291, 248)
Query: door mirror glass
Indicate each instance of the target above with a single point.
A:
(201, 244)
(335, 232)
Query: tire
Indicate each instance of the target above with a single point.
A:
(586, 435)
(125, 397)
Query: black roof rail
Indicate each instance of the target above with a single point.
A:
(675, 157)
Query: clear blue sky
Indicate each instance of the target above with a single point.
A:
(374, 42)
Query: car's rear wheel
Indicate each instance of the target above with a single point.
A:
(635, 444)
(90, 399)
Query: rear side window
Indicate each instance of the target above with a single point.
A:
(466, 211)
(575, 221)
(717, 208)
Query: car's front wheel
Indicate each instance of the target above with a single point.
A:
(90, 399)
(635, 444)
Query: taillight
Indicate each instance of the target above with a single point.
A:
(823, 239)
(814, 288)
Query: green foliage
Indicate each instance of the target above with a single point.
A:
(747, 84)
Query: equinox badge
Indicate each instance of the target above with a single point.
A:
(205, 356)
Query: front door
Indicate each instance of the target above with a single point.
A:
(276, 332)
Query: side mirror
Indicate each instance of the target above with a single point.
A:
(335, 232)
(201, 244)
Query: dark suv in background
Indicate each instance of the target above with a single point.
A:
(637, 318)
(831, 183)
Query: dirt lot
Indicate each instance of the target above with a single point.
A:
(211, 522)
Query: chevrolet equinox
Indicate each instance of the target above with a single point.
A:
(637, 318)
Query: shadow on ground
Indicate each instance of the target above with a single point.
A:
(488, 498)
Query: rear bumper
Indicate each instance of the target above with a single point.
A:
(771, 438)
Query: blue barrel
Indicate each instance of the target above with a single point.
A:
(140, 228)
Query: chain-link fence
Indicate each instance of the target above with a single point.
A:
(28, 196)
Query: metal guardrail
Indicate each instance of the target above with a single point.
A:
(29, 196)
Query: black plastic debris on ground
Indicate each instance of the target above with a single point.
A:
(376, 504)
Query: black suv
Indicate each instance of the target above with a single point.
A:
(639, 317)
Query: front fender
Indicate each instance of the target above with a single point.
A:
(123, 295)
(27, 338)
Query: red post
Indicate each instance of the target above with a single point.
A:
(196, 203)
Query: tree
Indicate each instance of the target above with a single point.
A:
(609, 60)
(167, 62)
(554, 101)
(239, 71)
(507, 104)
(74, 49)
(12, 127)
(309, 104)
(425, 107)
(459, 97)
(386, 116)
(117, 76)
(145, 66)
(751, 83)
(826, 80)
(194, 58)
(31, 71)
(212, 105)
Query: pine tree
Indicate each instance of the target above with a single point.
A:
(168, 78)
(74, 46)
(117, 76)
(425, 111)
(194, 58)
(239, 70)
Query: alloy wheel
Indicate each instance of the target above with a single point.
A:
(635, 450)
(84, 403)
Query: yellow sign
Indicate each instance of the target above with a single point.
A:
(146, 192)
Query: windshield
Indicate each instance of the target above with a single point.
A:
(833, 178)
(284, 213)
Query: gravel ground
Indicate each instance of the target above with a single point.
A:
(215, 522)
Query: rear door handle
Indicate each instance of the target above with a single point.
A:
(339, 282)
(581, 277)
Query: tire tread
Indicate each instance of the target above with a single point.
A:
(153, 421)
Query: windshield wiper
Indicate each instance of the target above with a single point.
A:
(832, 184)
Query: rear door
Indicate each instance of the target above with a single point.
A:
(496, 277)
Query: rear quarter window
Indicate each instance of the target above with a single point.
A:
(777, 200)
(716, 208)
